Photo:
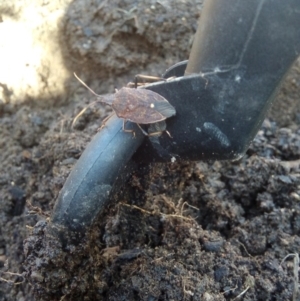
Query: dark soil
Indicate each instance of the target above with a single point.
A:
(182, 231)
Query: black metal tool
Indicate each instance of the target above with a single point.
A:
(242, 51)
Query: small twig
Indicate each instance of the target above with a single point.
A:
(163, 257)
(229, 290)
(242, 293)
(245, 249)
(295, 271)
(186, 203)
(36, 210)
(168, 202)
(160, 213)
(249, 283)
(185, 282)
(10, 281)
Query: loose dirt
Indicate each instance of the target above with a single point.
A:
(182, 231)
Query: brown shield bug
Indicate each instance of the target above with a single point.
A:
(140, 106)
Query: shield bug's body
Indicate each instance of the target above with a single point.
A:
(140, 106)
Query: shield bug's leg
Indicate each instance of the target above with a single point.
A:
(104, 121)
(127, 131)
(82, 112)
(157, 129)
(141, 79)
(145, 79)
(143, 131)
(160, 133)
(131, 131)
